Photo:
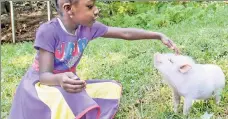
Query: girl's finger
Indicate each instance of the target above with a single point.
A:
(75, 77)
(173, 47)
(170, 42)
(73, 87)
(75, 82)
(70, 86)
(73, 91)
(177, 51)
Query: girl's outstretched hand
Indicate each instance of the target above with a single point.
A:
(170, 44)
(70, 83)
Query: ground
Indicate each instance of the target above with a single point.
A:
(28, 17)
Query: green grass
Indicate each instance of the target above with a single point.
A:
(203, 36)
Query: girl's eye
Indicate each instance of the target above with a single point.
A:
(171, 60)
(90, 6)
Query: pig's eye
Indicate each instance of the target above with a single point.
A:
(171, 60)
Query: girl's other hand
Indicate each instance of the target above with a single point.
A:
(70, 83)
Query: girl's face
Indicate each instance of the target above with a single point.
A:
(84, 12)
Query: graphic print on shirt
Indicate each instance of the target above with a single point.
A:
(69, 53)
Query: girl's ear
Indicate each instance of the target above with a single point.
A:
(185, 68)
(67, 8)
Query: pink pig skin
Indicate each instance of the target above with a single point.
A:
(190, 80)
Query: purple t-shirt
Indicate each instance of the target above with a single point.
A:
(67, 48)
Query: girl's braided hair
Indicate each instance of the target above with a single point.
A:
(57, 5)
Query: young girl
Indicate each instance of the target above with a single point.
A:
(50, 89)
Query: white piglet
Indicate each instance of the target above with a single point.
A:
(190, 80)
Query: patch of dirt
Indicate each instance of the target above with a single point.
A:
(28, 17)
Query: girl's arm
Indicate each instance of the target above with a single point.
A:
(138, 34)
(131, 34)
(66, 80)
(46, 63)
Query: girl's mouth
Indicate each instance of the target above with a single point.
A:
(93, 21)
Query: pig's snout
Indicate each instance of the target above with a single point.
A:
(157, 58)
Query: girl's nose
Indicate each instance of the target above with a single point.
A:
(96, 12)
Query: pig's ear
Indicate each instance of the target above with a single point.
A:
(185, 68)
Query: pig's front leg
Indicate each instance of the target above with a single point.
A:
(187, 105)
(218, 95)
(176, 100)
